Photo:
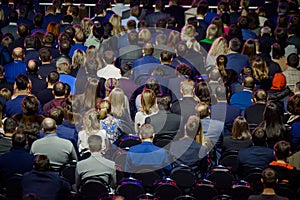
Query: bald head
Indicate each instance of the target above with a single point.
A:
(49, 125)
(18, 53)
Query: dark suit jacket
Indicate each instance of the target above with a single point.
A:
(32, 54)
(153, 17)
(184, 107)
(44, 96)
(19, 42)
(38, 84)
(5, 57)
(178, 13)
(45, 69)
(164, 122)
(128, 54)
(12, 28)
(254, 113)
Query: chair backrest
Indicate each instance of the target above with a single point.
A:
(67, 171)
(222, 197)
(13, 186)
(185, 197)
(166, 190)
(184, 176)
(253, 176)
(286, 190)
(222, 179)
(93, 187)
(147, 178)
(229, 159)
(130, 188)
(129, 141)
(204, 191)
(241, 192)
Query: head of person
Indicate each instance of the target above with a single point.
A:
(249, 83)
(148, 100)
(148, 49)
(30, 105)
(19, 140)
(41, 163)
(240, 129)
(277, 51)
(187, 87)
(193, 128)
(166, 57)
(282, 150)
(59, 89)
(49, 125)
(90, 94)
(221, 93)
(32, 67)
(235, 44)
(18, 53)
(202, 110)
(269, 178)
(145, 35)
(104, 108)
(52, 77)
(95, 143)
(260, 69)
(117, 101)
(260, 96)
(259, 137)
(293, 60)
(22, 82)
(91, 121)
(146, 132)
(293, 105)
(202, 91)
(109, 57)
(164, 102)
(10, 125)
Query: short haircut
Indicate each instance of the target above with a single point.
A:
(131, 24)
(109, 57)
(18, 140)
(183, 70)
(49, 38)
(166, 56)
(249, 82)
(259, 137)
(187, 87)
(99, 8)
(146, 131)
(161, 39)
(32, 66)
(159, 5)
(161, 23)
(135, 11)
(202, 109)
(57, 114)
(53, 77)
(64, 47)
(30, 105)
(260, 95)
(133, 37)
(22, 81)
(38, 19)
(49, 125)
(202, 8)
(221, 92)
(80, 37)
(59, 89)
(282, 150)
(23, 30)
(63, 67)
(164, 102)
(293, 60)
(95, 143)
(13, 16)
(45, 54)
(235, 44)
(269, 178)
(10, 125)
(41, 163)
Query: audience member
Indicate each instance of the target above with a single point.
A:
(292, 74)
(10, 127)
(17, 66)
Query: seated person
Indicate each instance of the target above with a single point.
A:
(286, 172)
(269, 180)
(43, 182)
(96, 164)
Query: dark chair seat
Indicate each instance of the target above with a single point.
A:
(205, 190)
(166, 190)
(130, 189)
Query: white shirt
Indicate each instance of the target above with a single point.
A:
(110, 71)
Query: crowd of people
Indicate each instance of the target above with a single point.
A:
(185, 86)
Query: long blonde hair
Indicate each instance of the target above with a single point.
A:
(218, 47)
(91, 121)
(115, 20)
(117, 101)
(260, 69)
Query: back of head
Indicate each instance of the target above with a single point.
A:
(10, 125)
(193, 127)
(18, 53)
(80, 37)
(63, 67)
(183, 70)
(159, 5)
(259, 137)
(148, 49)
(161, 39)
(293, 60)
(166, 56)
(297, 87)
(57, 114)
(202, 8)
(235, 44)
(293, 105)
(282, 150)
(30, 105)
(53, 77)
(31, 42)
(59, 89)
(202, 110)
(95, 143)
(145, 35)
(23, 30)
(187, 87)
(164, 102)
(19, 140)
(109, 57)
(49, 125)
(41, 163)
(269, 178)
(146, 131)
(22, 82)
(249, 83)
(133, 37)
(260, 95)
(64, 47)
(13, 16)
(243, 22)
(221, 93)
(32, 67)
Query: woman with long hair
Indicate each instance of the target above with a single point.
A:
(277, 53)
(78, 61)
(53, 28)
(220, 26)
(117, 30)
(249, 49)
(240, 136)
(218, 47)
(119, 104)
(202, 91)
(91, 126)
(149, 107)
(260, 74)
(89, 97)
(86, 24)
(273, 124)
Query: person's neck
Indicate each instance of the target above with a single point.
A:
(200, 17)
(59, 97)
(45, 63)
(281, 161)
(21, 92)
(8, 134)
(268, 191)
(147, 140)
(188, 95)
(50, 86)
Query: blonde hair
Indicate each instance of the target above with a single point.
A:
(260, 69)
(117, 101)
(78, 59)
(6, 93)
(148, 101)
(115, 20)
(91, 121)
(219, 47)
(104, 108)
(86, 24)
(145, 35)
(90, 94)
(188, 36)
(187, 87)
